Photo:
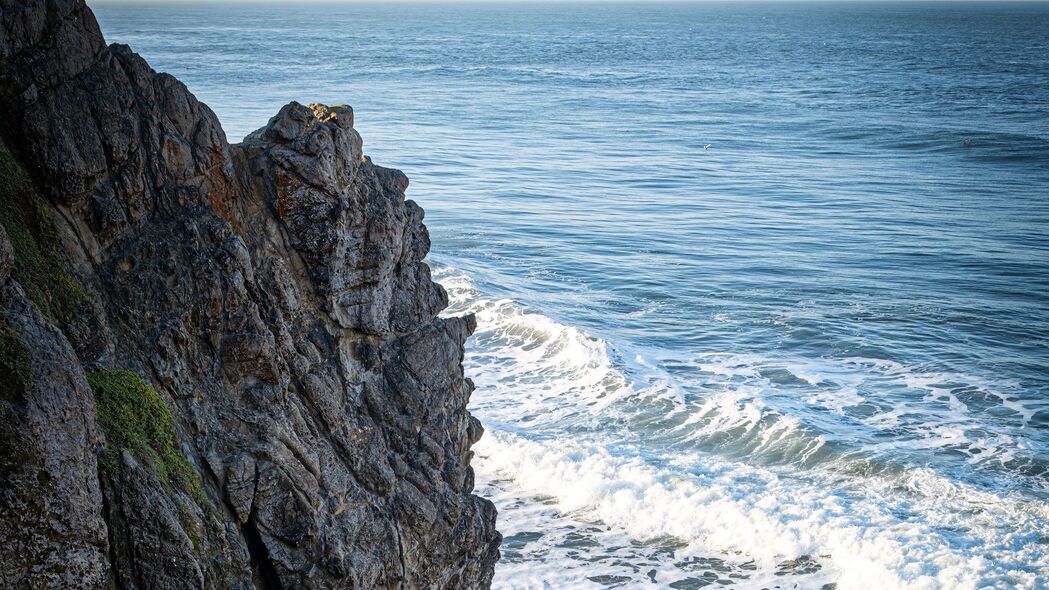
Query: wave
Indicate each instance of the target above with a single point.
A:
(982, 423)
(853, 414)
(605, 459)
(976, 144)
(740, 514)
(557, 373)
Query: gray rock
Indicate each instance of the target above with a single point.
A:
(274, 293)
(50, 500)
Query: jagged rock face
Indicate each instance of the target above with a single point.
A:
(274, 294)
(362, 244)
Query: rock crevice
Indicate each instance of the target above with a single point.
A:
(274, 296)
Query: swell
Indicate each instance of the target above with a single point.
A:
(772, 410)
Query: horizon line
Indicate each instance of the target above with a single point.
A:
(532, 2)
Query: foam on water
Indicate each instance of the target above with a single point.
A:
(658, 495)
(741, 405)
(557, 373)
(952, 413)
(744, 515)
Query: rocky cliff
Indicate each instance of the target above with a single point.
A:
(221, 366)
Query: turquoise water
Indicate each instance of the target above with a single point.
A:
(763, 289)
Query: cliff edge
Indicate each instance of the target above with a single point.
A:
(221, 366)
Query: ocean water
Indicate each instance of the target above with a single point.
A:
(763, 289)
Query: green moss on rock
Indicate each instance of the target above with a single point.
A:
(134, 418)
(14, 365)
(31, 231)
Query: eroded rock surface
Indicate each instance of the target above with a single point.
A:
(273, 293)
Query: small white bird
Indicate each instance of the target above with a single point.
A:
(706, 147)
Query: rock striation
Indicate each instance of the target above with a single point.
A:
(221, 366)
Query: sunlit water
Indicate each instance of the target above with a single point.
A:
(763, 290)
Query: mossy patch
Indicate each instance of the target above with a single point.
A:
(31, 231)
(134, 418)
(14, 365)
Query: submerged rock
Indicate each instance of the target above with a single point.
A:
(271, 294)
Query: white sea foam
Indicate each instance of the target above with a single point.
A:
(924, 413)
(555, 371)
(609, 472)
(736, 513)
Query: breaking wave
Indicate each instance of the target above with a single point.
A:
(624, 468)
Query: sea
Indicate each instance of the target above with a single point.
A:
(762, 288)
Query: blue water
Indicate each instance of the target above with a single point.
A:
(763, 289)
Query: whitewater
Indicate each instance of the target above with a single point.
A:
(599, 470)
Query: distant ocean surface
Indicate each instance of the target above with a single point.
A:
(763, 289)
